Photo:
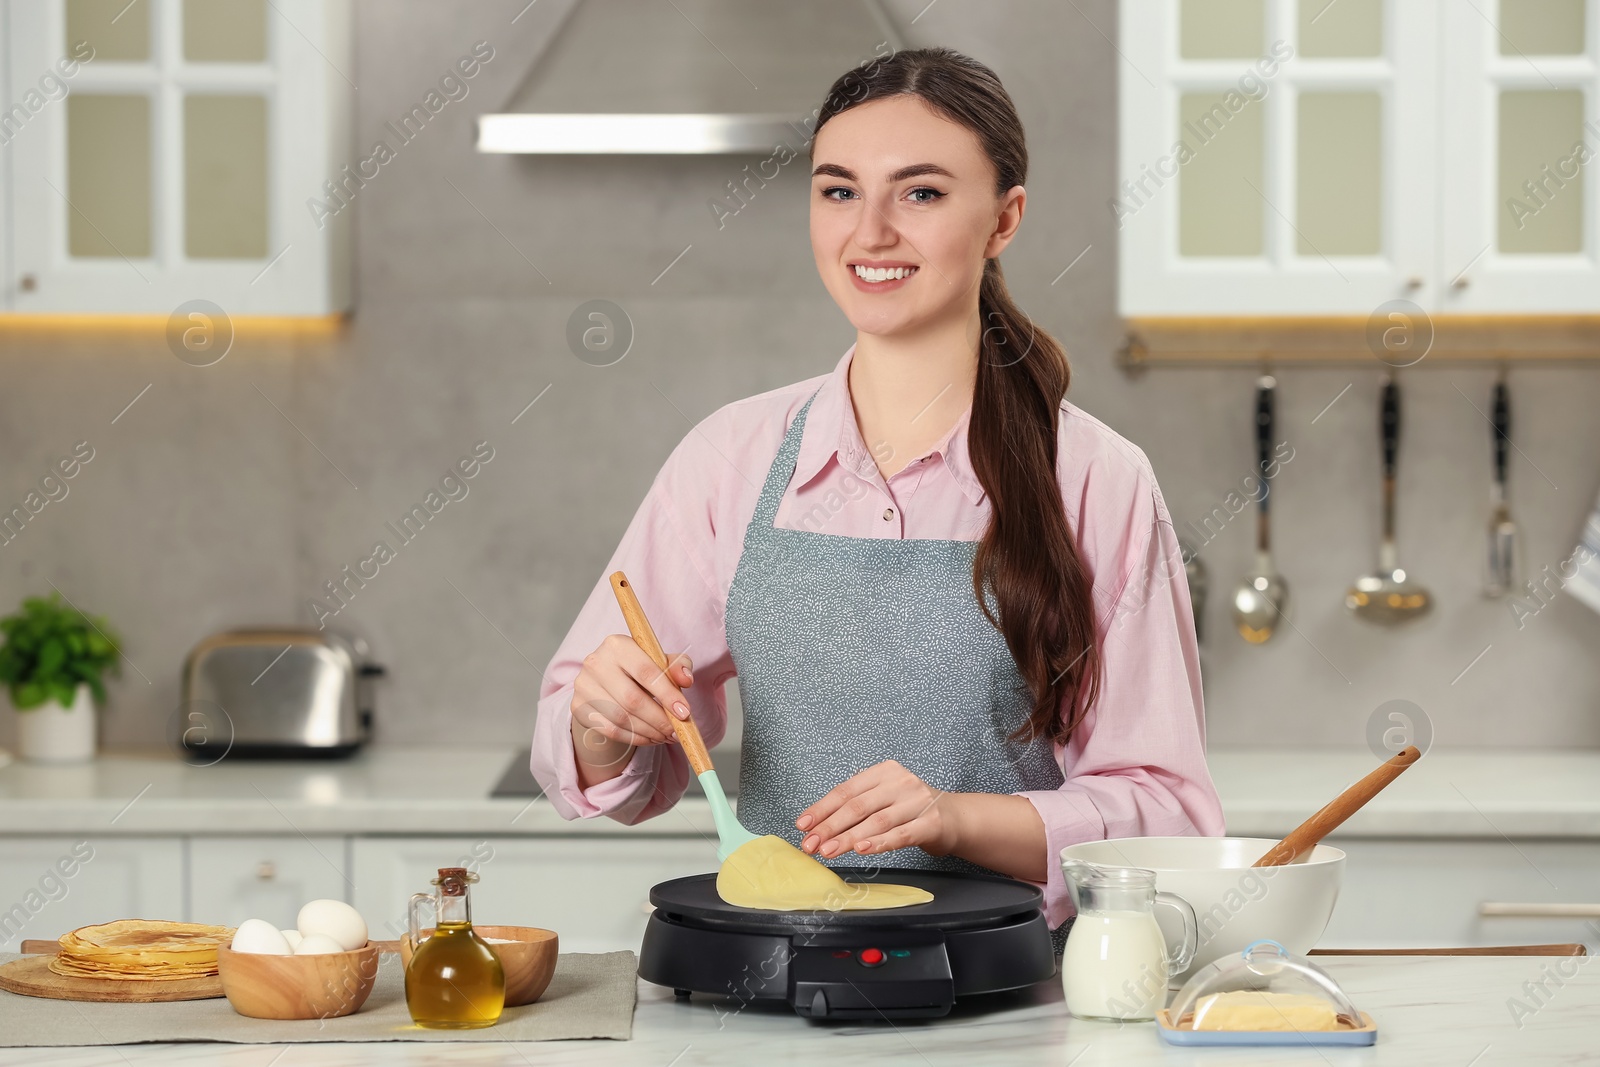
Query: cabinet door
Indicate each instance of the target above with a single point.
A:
(49, 885)
(164, 152)
(232, 879)
(1521, 204)
(593, 892)
(1276, 157)
(1427, 893)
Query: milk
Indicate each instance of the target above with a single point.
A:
(1115, 966)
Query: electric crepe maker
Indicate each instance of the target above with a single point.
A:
(980, 934)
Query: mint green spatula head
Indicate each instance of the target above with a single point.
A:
(730, 835)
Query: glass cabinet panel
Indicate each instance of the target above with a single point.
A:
(108, 175)
(1221, 29)
(118, 30)
(225, 31)
(1219, 214)
(225, 177)
(1541, 27)
(1541, 175)
(1339, 168)
(1341, 28)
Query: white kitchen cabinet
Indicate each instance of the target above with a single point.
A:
(593, 892)
(49, 885)
(173, 151)
(1519, 225)
(232, 879)
(1422, 893)
(1306, 158)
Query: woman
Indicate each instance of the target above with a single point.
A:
(827, 543)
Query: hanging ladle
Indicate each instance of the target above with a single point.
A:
(1390, 596)
(1261, 597)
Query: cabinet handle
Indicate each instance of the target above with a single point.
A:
(266, 871)
(1499, 909)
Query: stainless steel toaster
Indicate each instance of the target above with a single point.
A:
(285, 693)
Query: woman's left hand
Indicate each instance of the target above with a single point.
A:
(881, 808)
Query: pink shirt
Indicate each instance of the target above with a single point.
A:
(1136, 765)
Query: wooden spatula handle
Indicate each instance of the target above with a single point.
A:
(644, 636)
(1305, 836)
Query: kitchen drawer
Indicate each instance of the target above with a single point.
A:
(232, 879)
(1420, 893)
(49, 885)
(594, 892)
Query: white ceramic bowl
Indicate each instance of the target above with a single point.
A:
(1234, 903)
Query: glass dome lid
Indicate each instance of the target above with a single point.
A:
(1265, 987)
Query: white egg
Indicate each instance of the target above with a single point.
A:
(292, 936)
(258, 935)
(334, 919)
(317, 944)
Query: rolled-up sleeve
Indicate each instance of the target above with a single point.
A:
(667, 553)
(1135, 766)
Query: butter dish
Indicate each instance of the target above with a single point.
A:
(1265, 995)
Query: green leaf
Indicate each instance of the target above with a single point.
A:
(52, 656)
(28, 695)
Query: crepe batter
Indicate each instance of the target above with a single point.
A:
(771, 874)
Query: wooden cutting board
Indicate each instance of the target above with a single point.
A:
(31, 976)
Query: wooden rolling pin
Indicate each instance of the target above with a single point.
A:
(1305, 836)
(694, 745)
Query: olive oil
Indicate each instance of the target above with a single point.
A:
(455, 980)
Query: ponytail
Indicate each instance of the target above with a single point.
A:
(1027, 558)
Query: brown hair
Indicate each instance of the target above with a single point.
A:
(1028, 558)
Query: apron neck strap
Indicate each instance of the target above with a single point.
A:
(782, 469)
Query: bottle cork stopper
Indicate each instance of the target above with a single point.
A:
(453, 881)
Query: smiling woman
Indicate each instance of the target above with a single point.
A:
(927, 681)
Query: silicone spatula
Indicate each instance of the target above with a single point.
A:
(730, 834)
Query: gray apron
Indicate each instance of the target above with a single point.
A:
(851, 651)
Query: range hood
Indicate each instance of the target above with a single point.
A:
(685, 77)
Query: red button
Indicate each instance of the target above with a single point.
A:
(871, 957)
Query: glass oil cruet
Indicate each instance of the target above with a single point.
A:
(1116, 963)
(455, 980)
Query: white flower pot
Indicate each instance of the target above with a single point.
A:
(53, 733)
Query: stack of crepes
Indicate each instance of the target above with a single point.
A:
(141, 950)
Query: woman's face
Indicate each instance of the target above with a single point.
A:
(903, 214)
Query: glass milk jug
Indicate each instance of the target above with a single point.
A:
(1116, 963)
(455, 980)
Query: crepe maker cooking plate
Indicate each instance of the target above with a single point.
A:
(979, 934)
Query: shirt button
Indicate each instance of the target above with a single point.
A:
(888, 513)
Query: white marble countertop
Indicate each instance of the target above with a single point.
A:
(1265, 793)
(1450, 1011)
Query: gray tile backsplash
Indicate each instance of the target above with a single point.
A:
(206, 507)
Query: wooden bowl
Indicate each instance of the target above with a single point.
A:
(529, 959)
(321, 986)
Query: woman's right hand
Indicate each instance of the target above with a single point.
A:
(624, 697)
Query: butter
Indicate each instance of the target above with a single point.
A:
(1257, 1010)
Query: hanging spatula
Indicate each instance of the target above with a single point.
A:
(730, 833)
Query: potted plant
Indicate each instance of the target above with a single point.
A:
(53, 663)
